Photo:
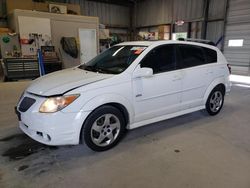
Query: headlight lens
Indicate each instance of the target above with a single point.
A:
(55, 104)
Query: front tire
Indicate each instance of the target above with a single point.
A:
(103, 128)
(215, 101)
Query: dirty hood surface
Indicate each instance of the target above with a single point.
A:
(62, 81)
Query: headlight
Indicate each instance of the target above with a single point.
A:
(54, 104)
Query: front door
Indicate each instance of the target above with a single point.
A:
(160, 94)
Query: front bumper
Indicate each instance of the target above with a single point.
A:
(60, 128)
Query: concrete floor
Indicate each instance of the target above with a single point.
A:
(193, 150)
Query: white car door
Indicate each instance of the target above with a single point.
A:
(197, 74)
(159, 94)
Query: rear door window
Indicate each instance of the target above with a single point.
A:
(191, 55)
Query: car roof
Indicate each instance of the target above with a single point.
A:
(162, 42)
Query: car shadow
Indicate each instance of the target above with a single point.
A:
(34, 159)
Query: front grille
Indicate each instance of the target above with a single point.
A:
(26, 103)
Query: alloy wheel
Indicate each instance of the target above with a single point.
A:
(216, 101)
(105, 130)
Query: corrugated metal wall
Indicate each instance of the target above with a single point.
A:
(108, 14)
(216, 9)
(165, 11)
(188, 9)
(215, 25)
(238, 27)
(115, 16)
(153, 12)
(215, 32)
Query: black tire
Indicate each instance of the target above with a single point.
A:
(90, 135)
(214, 108)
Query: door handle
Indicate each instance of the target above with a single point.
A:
(176, 78)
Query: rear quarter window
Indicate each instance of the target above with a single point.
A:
(211, 55)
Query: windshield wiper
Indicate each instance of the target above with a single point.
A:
(88, 68)
(105, 71)
(95, 69)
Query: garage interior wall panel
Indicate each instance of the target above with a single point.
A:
(238, 27)
(109, 14)
(181, 28)
(58, 31)
(215, 32)
(196, 30)
(153, 12)
(216, 9)
(61, 26)
(187, 10)
(165, 11)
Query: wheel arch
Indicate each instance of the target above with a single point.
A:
(119, 102)
(216, 83)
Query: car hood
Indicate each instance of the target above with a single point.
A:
(62, 81)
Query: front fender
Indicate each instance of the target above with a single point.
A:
(103, 99)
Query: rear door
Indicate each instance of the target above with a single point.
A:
(197, 73)
(160, 94)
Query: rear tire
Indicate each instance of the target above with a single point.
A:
(215, 101)
(103, 128)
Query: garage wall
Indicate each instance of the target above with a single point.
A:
(152, 13)
(109, 14)
(215, 32)
(238, 27)
(215, 26)
(165, 11)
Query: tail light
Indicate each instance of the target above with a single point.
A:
(229, 68)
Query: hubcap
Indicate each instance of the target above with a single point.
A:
(216, 101)
(105, 130)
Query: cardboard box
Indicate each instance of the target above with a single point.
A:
(163, 36)
(103, 33)
(163, 29)
(74, 8)
(17, 4)
(43, 7)
(4, 30)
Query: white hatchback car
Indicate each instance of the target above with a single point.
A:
(129, 85)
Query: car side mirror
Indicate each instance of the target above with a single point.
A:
(143, 72)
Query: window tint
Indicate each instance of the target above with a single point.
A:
(160, 59)
(211, 55)
(191, 55)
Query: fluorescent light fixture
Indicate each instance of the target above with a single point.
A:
(235, 42)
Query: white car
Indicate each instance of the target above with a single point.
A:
(129, 85)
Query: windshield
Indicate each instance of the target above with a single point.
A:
(114, 60)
